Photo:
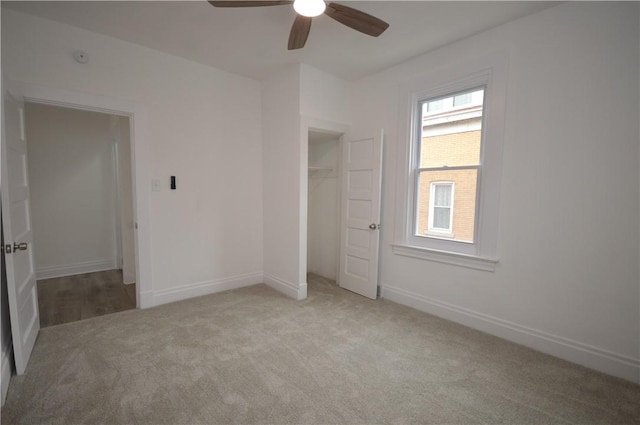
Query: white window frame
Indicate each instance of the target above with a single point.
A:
(444, 244)
(489, 72)
(438, 231)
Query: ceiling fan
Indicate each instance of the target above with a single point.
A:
(307, 9)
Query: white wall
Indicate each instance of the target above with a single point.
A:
(281, 182)
(73, 191)
(323, 231)
(324, 96)
(203, 126)
(567, 282)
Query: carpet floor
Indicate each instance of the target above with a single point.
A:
(253, 356)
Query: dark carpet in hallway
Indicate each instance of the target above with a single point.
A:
(72, 298)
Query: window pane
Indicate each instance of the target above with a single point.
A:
(452, 137)
(462, 99)
(442, 197)
(441, 218)
(436, 105)
(463, 201)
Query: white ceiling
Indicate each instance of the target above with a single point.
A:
(253, 41)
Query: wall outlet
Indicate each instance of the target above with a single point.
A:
(155, 185)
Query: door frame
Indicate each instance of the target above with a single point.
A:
(140, 159)
(115, 149)
(311, 124)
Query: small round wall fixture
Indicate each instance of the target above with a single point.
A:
(81, 56)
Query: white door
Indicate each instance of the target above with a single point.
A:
(18, 237)
(360, 234)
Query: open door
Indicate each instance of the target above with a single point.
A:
(360, 234)
(16, 222)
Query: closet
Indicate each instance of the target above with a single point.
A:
(323, 216)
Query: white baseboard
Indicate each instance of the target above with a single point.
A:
(145, 299)
(155, 298)
(128, 278)
(7, 351)
(592, 357)
(297, 292)
(76, 268)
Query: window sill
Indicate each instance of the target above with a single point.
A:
(453, 258)
(439, 235)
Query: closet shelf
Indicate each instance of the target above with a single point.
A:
(320, 168)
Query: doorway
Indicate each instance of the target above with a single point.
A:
(80, 179)
(323, 211)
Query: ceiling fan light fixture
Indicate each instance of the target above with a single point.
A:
(309, 8)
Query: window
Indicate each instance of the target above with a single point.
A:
(441, 207)
(448, 147)
(450, 157)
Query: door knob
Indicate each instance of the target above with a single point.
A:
(22, 246)
(372, 226)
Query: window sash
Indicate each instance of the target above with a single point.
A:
(415, 198)
(459, 167)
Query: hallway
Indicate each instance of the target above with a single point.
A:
(72, 298)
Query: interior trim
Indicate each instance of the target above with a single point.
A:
(204, 288)
(592, 357)
(77, 268)
(453, 258)
(297, 292)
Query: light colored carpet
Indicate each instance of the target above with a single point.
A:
(253, 356)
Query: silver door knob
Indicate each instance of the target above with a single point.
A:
(22, 246)
(372, 226)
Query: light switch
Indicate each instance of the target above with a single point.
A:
(155, 185)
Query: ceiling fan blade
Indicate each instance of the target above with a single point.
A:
(299, 32)
(247, 3)
(356, 19)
